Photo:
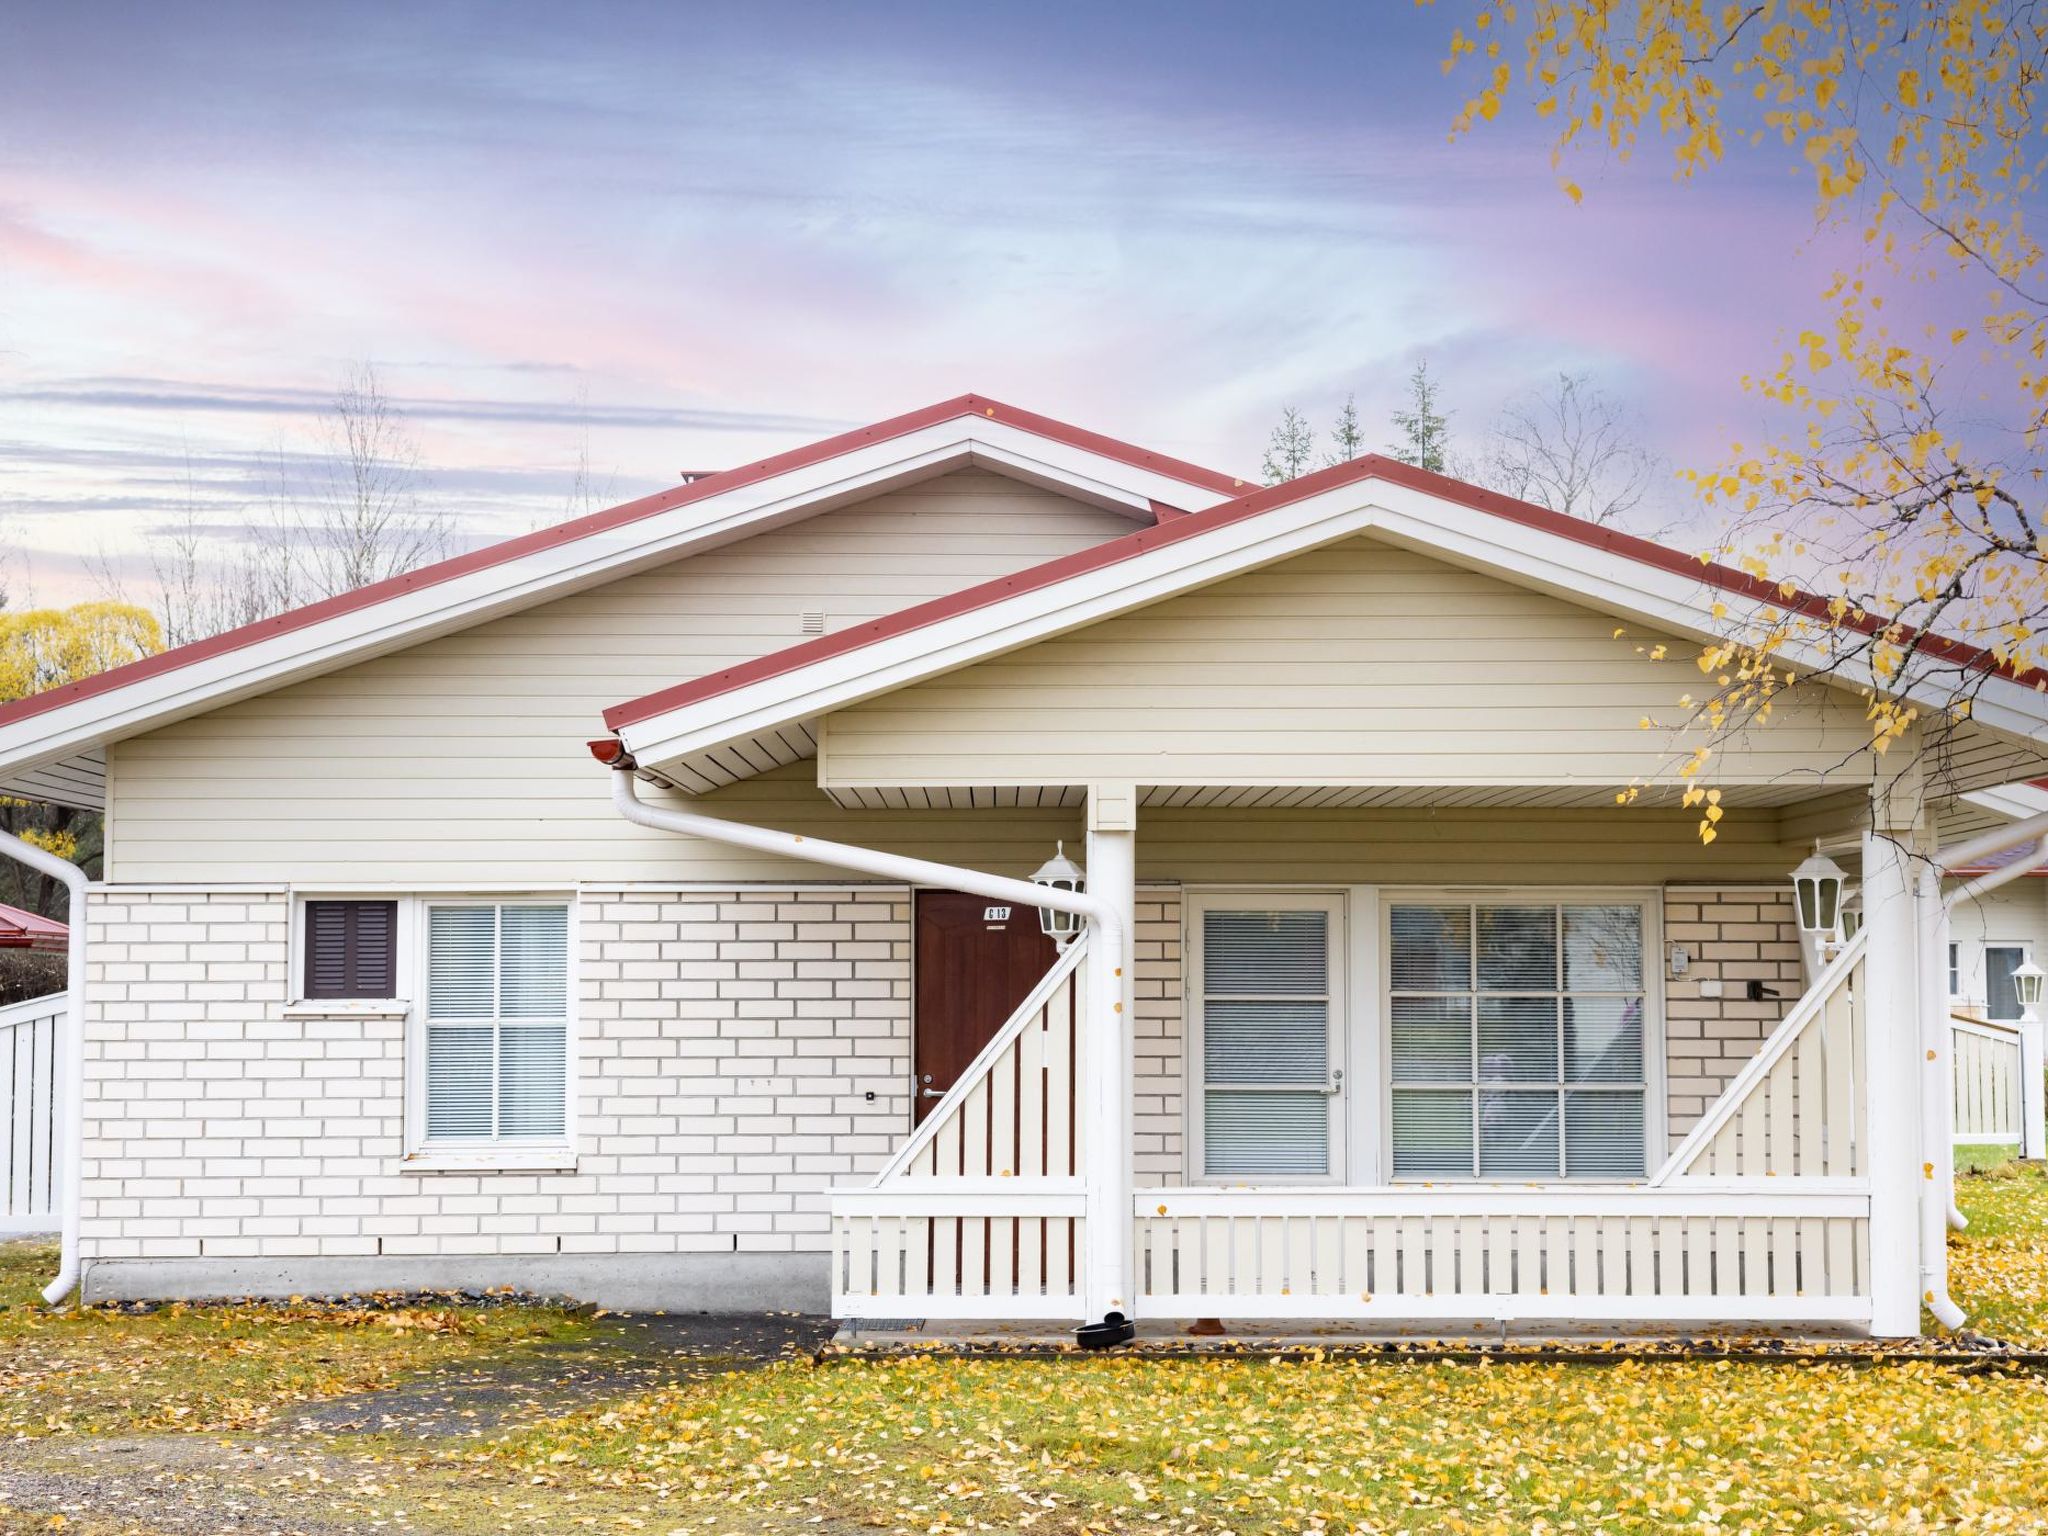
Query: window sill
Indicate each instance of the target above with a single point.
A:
(347, 1008)
(492, 1160)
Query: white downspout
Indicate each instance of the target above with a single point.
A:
(71, 1099)
(1107, 942)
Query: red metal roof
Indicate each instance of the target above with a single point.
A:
(1371, 466)
(614, 517)
(20, 929)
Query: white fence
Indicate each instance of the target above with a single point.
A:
(1986, 1073)
(28, 1114)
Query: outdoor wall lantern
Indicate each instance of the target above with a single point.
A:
(1817, 895)
(2026, 984)
(1852, 914)
(1060, 873)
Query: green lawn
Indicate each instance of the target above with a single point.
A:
(218, 1367)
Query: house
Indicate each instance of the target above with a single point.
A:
(1371, 1004)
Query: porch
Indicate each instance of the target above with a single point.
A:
(1761, 1213)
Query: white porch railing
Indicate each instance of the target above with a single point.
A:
(980, 1213)
(1739, 1250)
(1761, 1214)
(28, 1113)
(1985, 1065)
(1797, 1108)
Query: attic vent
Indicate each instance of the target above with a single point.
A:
(810, 623)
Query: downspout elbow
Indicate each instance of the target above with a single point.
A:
(1103, 916)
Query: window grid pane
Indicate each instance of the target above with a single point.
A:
(497, 1031)
(1525, 1051)
(1265, 1000)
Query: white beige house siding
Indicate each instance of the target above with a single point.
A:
(1357, 664)
(728, 1042)
(466, 753)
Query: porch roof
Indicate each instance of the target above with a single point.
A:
(710, 731)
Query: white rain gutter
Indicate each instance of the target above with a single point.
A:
(71, 1072)
(1105, 979)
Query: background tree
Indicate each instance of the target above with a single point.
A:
(349, 514)
(1568, 446)
(1347, 437)
(45, 648)
(1425, 429)
(1290, 448)
(1905, 480)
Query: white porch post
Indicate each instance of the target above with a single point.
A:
(1112, 879)
(1893, 1066)
(2033, 1086)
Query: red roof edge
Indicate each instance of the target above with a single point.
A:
(1370, 466)
(22, 929)
(614, 517)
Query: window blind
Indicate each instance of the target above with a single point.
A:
(497, 1022)
(1266, 1042)
(1516, 1040)
(2001, 993)
(351, 949)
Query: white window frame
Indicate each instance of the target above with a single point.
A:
(1655, 1113)
(1983, 999)
(301, 1006)
(1193, 905)
(499, 1154)
(1956, 994)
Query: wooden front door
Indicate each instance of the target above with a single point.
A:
(976, 961)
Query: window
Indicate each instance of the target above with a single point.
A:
(495, 1066)
(1265, 1011)
(1517, 1044)
(1955, 970)
(351, 949)
(2001, 997)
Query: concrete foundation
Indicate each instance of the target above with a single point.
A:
(627, 1282)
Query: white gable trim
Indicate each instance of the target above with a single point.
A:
(1564, 567)
(443, 607)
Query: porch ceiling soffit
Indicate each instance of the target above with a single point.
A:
(711, 728)
(52, 745)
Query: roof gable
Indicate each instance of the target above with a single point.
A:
(1599, 567)
(50, 743)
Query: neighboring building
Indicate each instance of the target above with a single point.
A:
(22, 929)
(1404, 1019)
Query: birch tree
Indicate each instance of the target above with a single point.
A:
(1903, 480)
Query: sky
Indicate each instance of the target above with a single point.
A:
(668, 238)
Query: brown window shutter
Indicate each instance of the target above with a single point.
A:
(351, 949)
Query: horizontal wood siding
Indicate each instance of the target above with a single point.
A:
(464, 759)
(1361, 663)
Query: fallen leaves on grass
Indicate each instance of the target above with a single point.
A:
(223, 1367)
(936, 1445)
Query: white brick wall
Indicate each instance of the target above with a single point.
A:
(1157, 1030)
(727, 1045)
(1734, 937)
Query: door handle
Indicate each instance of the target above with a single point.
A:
(930, 1093)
